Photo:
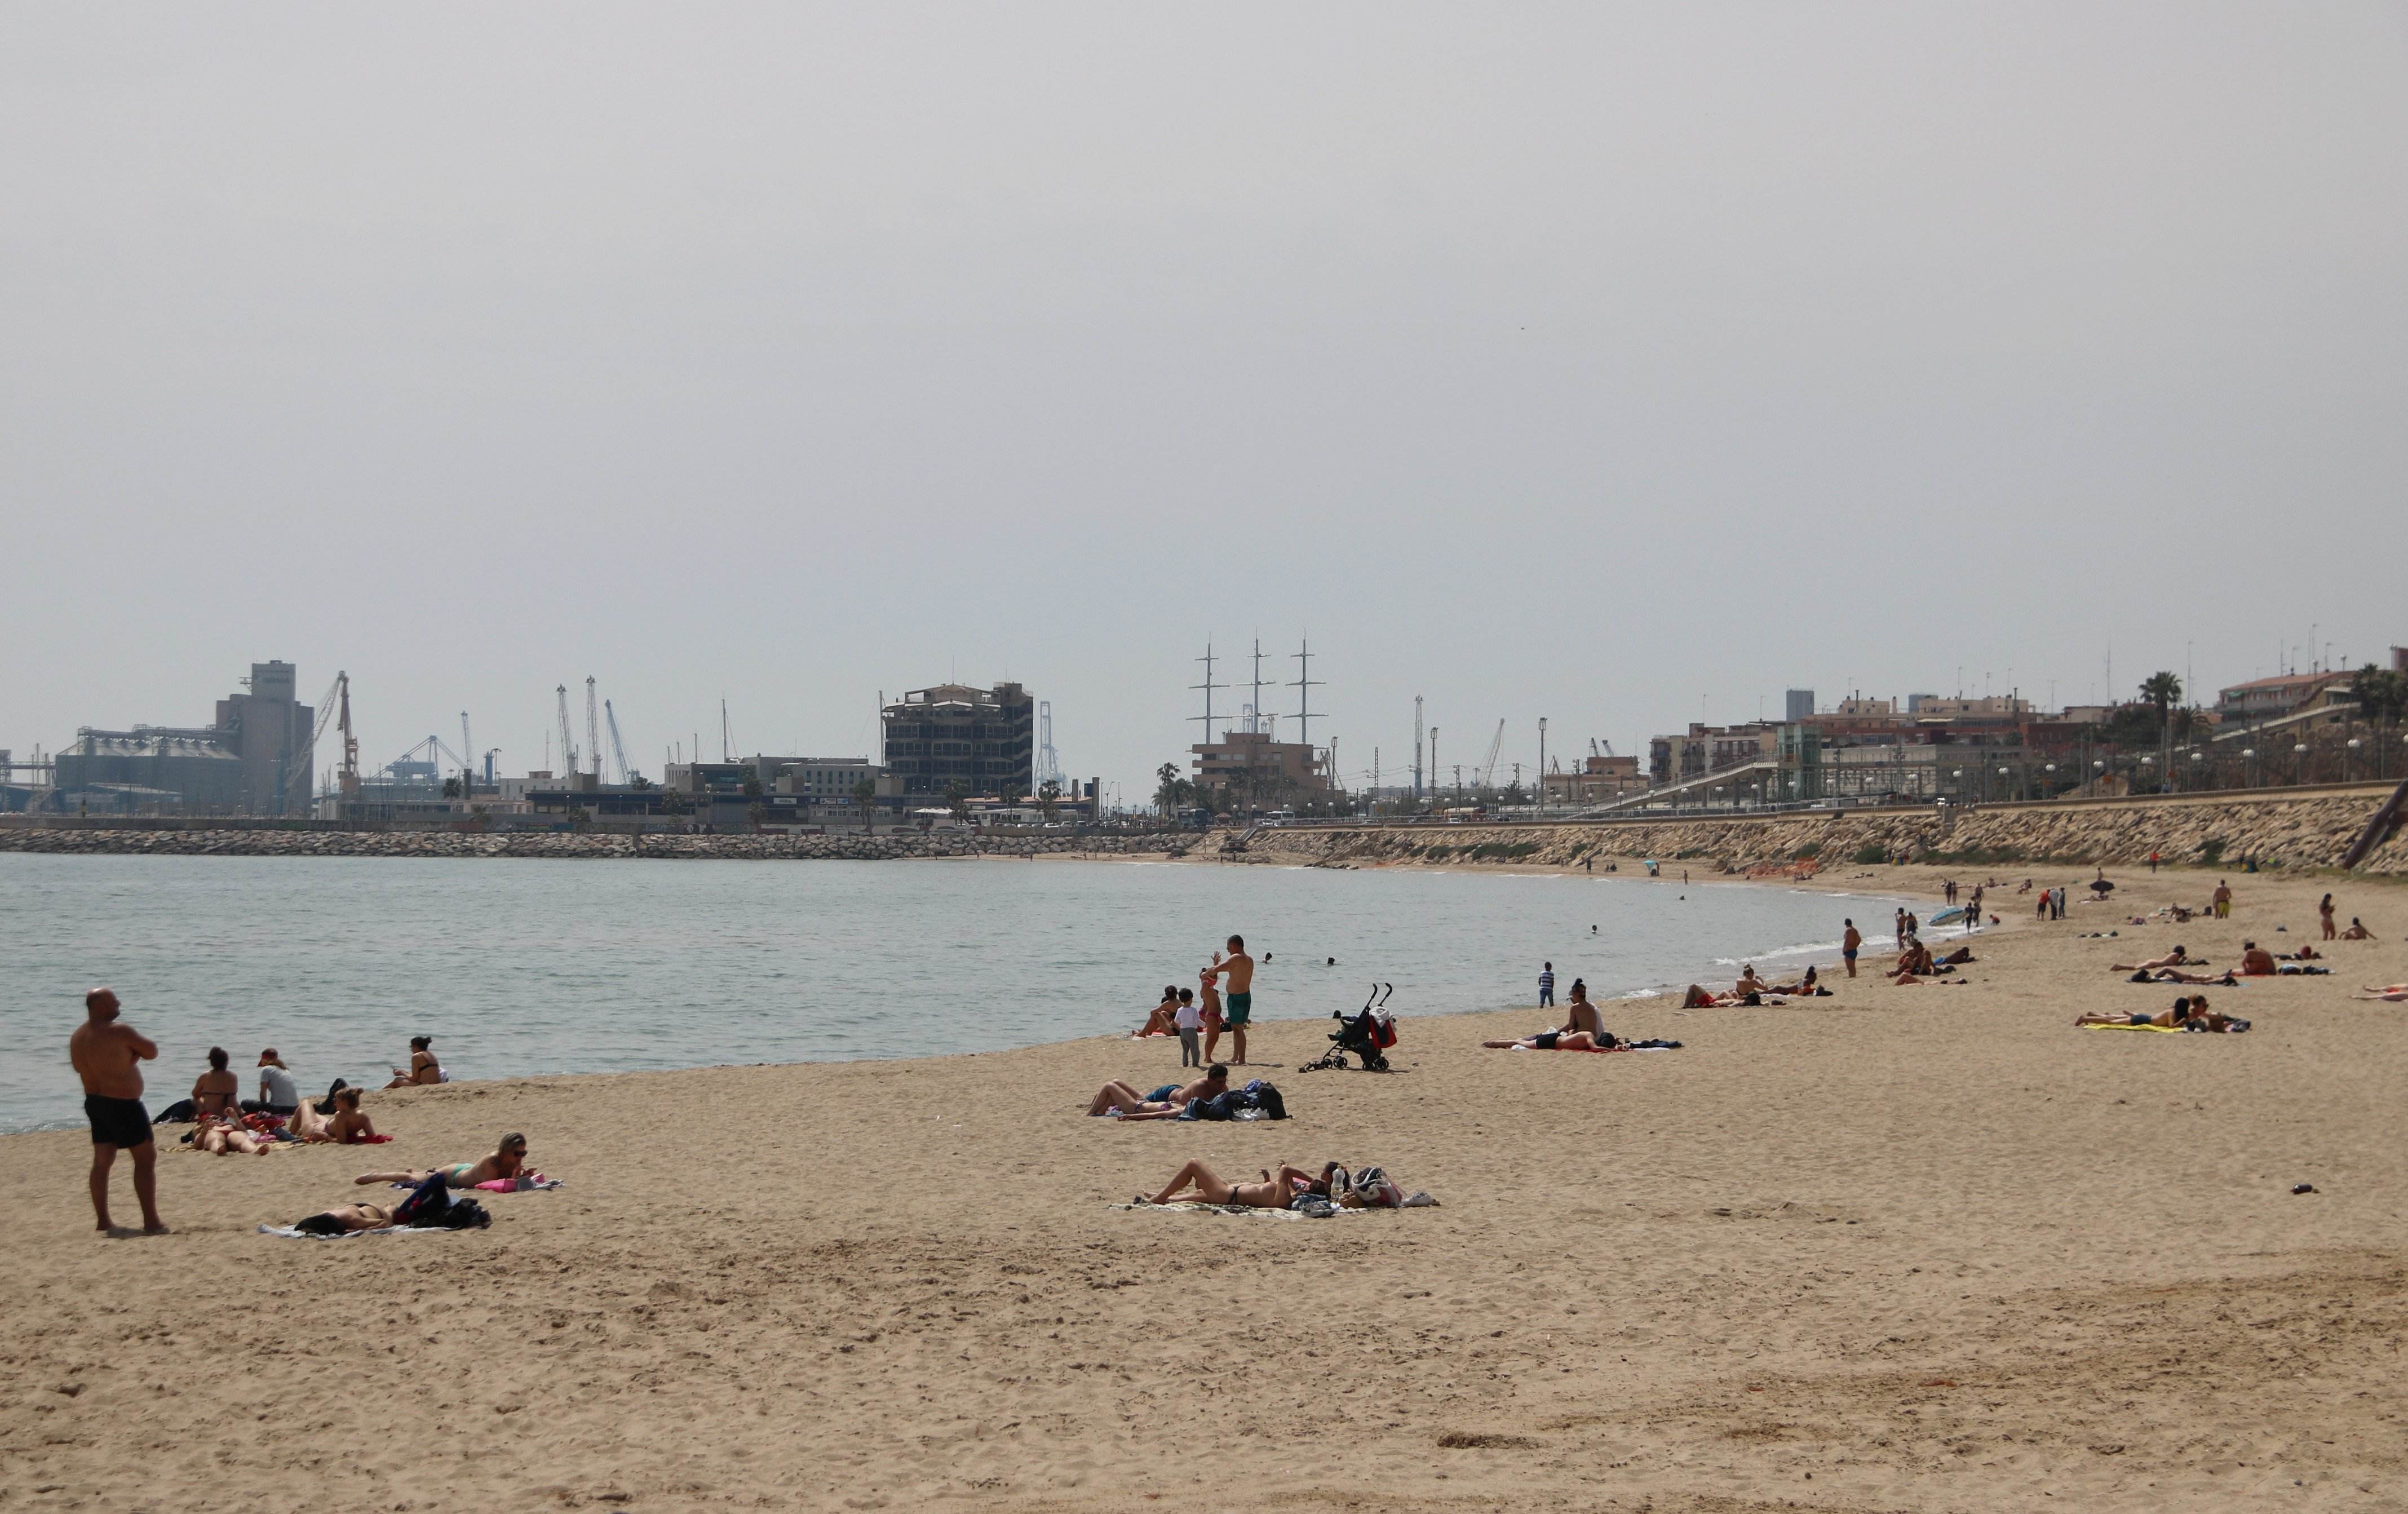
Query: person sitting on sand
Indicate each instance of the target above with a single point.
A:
(1163, 1021)
(1580, 1015)
(2356, 931)
(423, 1068)
(349, 1126)
(506, 1162)
(1120, 1098)
(345, 1218)
(2256, 960)
(2176, 958)
(1913, 962)
(1553, 1041)
(215, 1091)
(225, 1136)
(1202, 1187)
(2305, 953)
(1749, 983)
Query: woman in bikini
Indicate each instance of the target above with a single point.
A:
(345, 1218)
(347, 1127)
(506, 1162)
(1164, 1019)
(1202, 1187)
(422, 1066)
(1551, 1041)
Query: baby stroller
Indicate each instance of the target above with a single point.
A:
(1367, 1035)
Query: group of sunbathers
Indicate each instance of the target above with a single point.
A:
(1121, 1101)
(2179, 967)
(1750, 989)
(507, 1164)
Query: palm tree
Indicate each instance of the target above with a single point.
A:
(2161, 690)
(957, 799)
(865, 794)
(1049, 798)
(1166, 793)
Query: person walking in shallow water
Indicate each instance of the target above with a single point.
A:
(106, 1052)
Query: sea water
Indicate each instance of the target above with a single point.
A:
(538, 966)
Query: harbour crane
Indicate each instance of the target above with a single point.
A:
(1488, 769)
(466, 775)
(338, 697)
(567, 747)
(618, 752)
(593, 730)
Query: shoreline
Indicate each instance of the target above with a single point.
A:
(1794, 955)
(1935, 1249)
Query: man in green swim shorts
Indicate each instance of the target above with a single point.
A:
(1240, 970)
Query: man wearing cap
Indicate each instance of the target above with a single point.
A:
(276, 1094)
(106, 1054)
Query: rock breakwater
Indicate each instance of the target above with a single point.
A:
(2312, 830)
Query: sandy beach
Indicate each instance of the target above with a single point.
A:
(1926, 1247)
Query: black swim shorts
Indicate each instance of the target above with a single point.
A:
(119, 1123)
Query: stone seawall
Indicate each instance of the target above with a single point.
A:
(2311, 830)
(561, 844)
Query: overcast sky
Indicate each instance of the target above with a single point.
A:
(1618, 364)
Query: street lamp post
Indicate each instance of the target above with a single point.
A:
(2003, 777)
(2300, 766)
(2050, 781)
(2349, 760)
(2248, 767)
(1543, 767)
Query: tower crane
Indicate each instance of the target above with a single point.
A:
(567, 747)
(618, 752)
(1488, 769)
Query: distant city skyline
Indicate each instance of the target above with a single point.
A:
(1619, 367)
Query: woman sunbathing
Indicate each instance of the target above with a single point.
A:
(2187, 1013)
(224, 1135)
(1202, 1187)
(2358, 931)
(1163, 1020)
(1553, 1041)
(345, 1218)
(1123, 1099)
(506, 1161)
(349, 1126)
(2176, 958)
(2175, 975)
(2389, 993)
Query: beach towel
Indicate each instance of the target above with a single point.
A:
(2162, 1030)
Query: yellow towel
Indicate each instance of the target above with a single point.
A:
(2162, 1030)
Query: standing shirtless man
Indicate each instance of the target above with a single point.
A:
(1240, 970)
(105, 1053)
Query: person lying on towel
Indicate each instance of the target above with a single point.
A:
(2188, 1013)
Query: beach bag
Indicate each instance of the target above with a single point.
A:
(1215, 1107)
(1266, 1098)
(181, 1112)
